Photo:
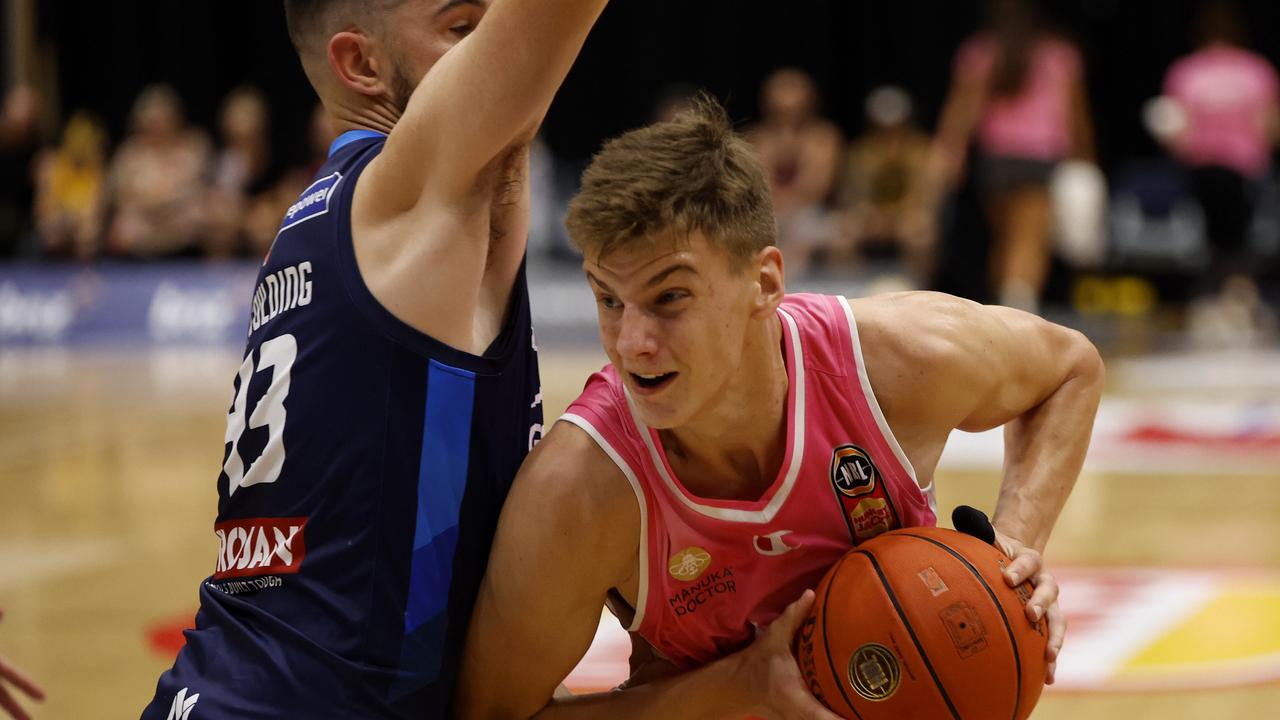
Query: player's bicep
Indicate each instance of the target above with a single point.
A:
(1005, 362)
(542, 595)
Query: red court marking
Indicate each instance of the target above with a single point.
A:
(165, 638)
(1162, 435)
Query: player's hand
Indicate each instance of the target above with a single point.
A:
(10, 675)
(1028, 565)
(769, 673)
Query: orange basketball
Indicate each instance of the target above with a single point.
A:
(919, 623)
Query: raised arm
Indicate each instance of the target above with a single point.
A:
(487, 92)
(570, 530)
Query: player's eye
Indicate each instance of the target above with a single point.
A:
(462, 29)
(672, 296)
(608, 303)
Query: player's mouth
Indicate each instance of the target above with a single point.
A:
(652, 383)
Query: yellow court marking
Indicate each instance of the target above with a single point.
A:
(1239, 626)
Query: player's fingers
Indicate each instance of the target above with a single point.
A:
(1050, 673)
(11, 707)
(1045, 595)
(19, 680)
(789, 621)
(1026, 564)
(1057, 632)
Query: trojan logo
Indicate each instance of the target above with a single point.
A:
(259, 546)
(852, 471)
(874, 672)
(689, 563)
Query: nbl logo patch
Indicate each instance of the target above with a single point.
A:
(852, 471)
(864, 498)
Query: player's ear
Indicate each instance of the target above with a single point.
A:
(770, 279)
(352, 57)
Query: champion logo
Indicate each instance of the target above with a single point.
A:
(182, 705)
(259, 546)
(772, 544)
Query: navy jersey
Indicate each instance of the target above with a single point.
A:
(366, 464)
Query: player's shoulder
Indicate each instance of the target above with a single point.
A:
(914, 326)
(570, 481)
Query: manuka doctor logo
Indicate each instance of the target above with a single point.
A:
(711, 584)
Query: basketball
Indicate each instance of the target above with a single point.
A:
(919, 623)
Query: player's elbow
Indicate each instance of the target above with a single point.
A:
(1086, 366)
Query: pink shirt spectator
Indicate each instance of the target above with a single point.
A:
(1228, 95)
(1036, 124)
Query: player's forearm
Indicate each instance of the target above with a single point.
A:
(1045, 449)
(707, 693)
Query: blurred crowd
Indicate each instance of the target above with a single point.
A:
(1015, 133)
(168, 190)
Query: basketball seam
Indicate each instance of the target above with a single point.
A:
(1017, 658)
(827, 647)
(884, 581)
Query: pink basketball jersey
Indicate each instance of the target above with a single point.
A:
(713, 572)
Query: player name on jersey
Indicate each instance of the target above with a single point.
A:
(280, 292)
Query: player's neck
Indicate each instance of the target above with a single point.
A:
(735, 448)
(362, 114)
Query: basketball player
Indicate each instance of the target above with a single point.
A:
(742, 439)
(389, 389)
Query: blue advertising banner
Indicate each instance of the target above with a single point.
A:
(126, 304)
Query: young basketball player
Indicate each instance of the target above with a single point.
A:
(742, 439)
(390, 388)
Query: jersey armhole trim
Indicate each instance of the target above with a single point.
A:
(642, 592)
(865, 382)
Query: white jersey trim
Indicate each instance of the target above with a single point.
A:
(797, 452)
(642, 593)
(872, 403)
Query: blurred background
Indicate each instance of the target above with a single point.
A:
(1107, 164)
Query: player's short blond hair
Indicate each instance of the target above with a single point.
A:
(692, 173)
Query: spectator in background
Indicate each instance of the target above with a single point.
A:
(800, 150)
(1226, 97)
(885, 199)
(262, 221)
(1021, 89)
(69, 191)
(157, 181)
(20, 144)
(243, 174)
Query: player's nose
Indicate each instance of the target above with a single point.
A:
(636, 333)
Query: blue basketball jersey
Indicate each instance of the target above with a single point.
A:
(365, 467)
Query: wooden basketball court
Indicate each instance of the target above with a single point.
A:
(1169, 550)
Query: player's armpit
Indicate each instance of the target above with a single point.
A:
(569, 531)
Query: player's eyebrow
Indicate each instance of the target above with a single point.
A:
(451, 4)
(657, 279)
(653, 281)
